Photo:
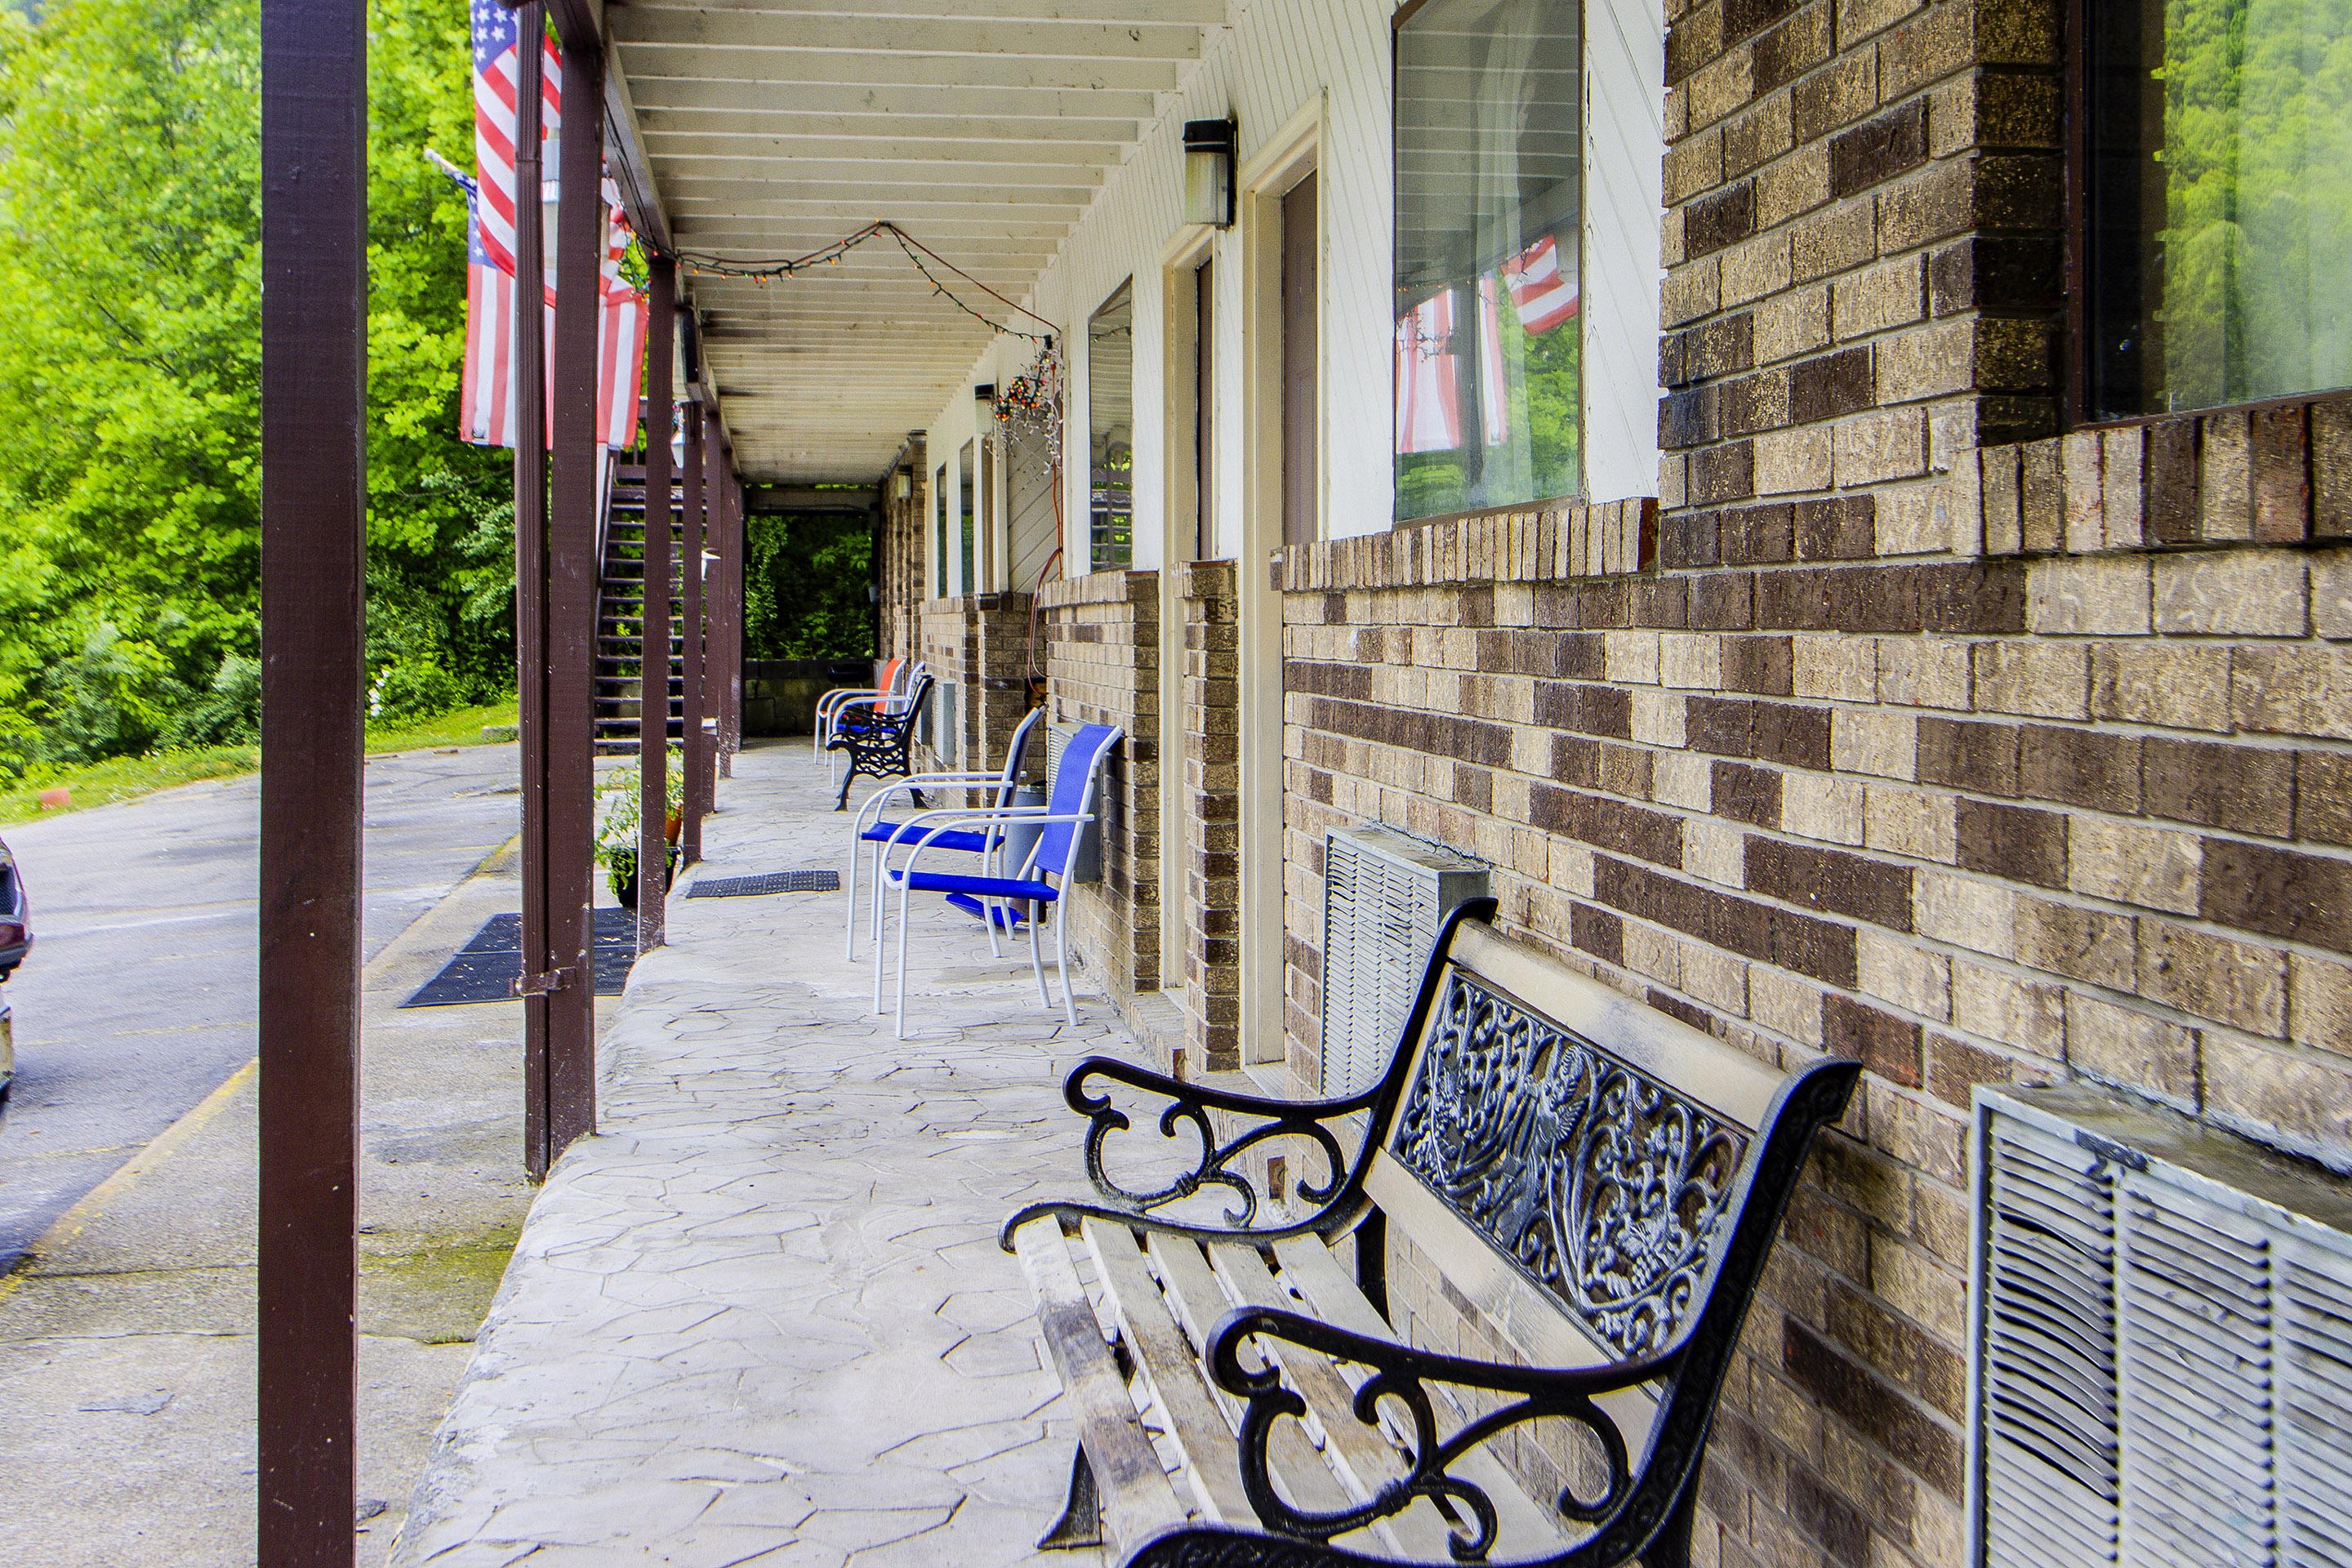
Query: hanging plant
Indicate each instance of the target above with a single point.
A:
(1031, 403)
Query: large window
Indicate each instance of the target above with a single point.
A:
(1489, 188)
(2217, 238)
(1110, 433)
(939, 553)
(969, 471)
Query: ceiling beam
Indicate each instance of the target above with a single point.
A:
(1194, 13)
(752, 95)
(889, 152)
(1102, 137)
(772, 32)
(625, 153)
(775, 70)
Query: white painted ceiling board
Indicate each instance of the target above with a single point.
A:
(985, 128)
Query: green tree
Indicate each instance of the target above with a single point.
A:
(805, 584)
(130, 311)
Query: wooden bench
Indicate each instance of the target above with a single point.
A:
(1599, 1182)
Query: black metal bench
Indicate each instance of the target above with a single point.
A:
(1598, 1181)
(881, 744)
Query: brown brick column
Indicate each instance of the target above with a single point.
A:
(1211, 763)
(1102, 664)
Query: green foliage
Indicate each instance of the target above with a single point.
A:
(413, 688)
(805, 583)
(620, 805)
(2257, 160)
(130, 317)
(229, 713)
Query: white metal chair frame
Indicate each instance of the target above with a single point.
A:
(933, 823)
(887, 704)
(890, 699)
(1008, 779)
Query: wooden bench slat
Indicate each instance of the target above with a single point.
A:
(1199, 1300)
(1524, 1525)
(1363, 1459)
(1135, 1493)
(1196, 1422)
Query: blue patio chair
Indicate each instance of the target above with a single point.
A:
(1037, 884)
(883, 835)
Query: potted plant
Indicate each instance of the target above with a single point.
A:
(619, 813)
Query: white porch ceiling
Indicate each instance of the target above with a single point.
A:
(768, 127)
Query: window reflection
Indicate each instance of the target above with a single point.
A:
(1489, 195)
(1110, 433)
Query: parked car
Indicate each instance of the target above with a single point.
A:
(16, 941)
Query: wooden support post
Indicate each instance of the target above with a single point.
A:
(653, 645)
(739, 543)
(572, 567)
(702, 761)
(532, 662)
(730, 600)
(690, 613)
(313, 598)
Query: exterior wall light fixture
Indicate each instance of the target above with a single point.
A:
(983, 408)
(1209, 172)
(902, 484)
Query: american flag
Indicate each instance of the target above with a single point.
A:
(486, 397)
(496, 71)
(1542, 288)
(1428, 378)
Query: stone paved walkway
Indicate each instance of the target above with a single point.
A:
(763, 1317)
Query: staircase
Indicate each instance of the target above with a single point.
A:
(621, 610)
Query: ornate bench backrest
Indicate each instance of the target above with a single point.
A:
(1629, 1167)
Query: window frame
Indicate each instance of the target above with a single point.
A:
(939, 512)
(1405, 14)
(1126, 290)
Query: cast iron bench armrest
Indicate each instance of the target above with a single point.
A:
(1191, 1103)
(1401, 1373)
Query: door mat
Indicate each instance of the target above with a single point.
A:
(486, 969)
(773, 882)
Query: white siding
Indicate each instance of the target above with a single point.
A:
(1625, 147)
(1276, 58)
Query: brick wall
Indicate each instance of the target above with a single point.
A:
(904, 588)
(1211, 882)
(1102, 662)
(1921, 734)
(978, 643)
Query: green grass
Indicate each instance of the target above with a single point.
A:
(126, 778)
(462, 727)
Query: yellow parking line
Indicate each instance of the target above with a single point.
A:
(71, 1222)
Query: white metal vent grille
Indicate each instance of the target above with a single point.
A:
(944, 723)
(1384, 896)
(2163, 1359)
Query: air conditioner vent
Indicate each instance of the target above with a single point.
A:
(2162, 1365)
(1384, 896)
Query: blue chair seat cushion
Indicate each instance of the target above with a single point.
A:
(1004, 917)
(953, 838)
(978, 887)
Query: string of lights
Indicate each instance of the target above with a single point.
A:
(920, 256)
